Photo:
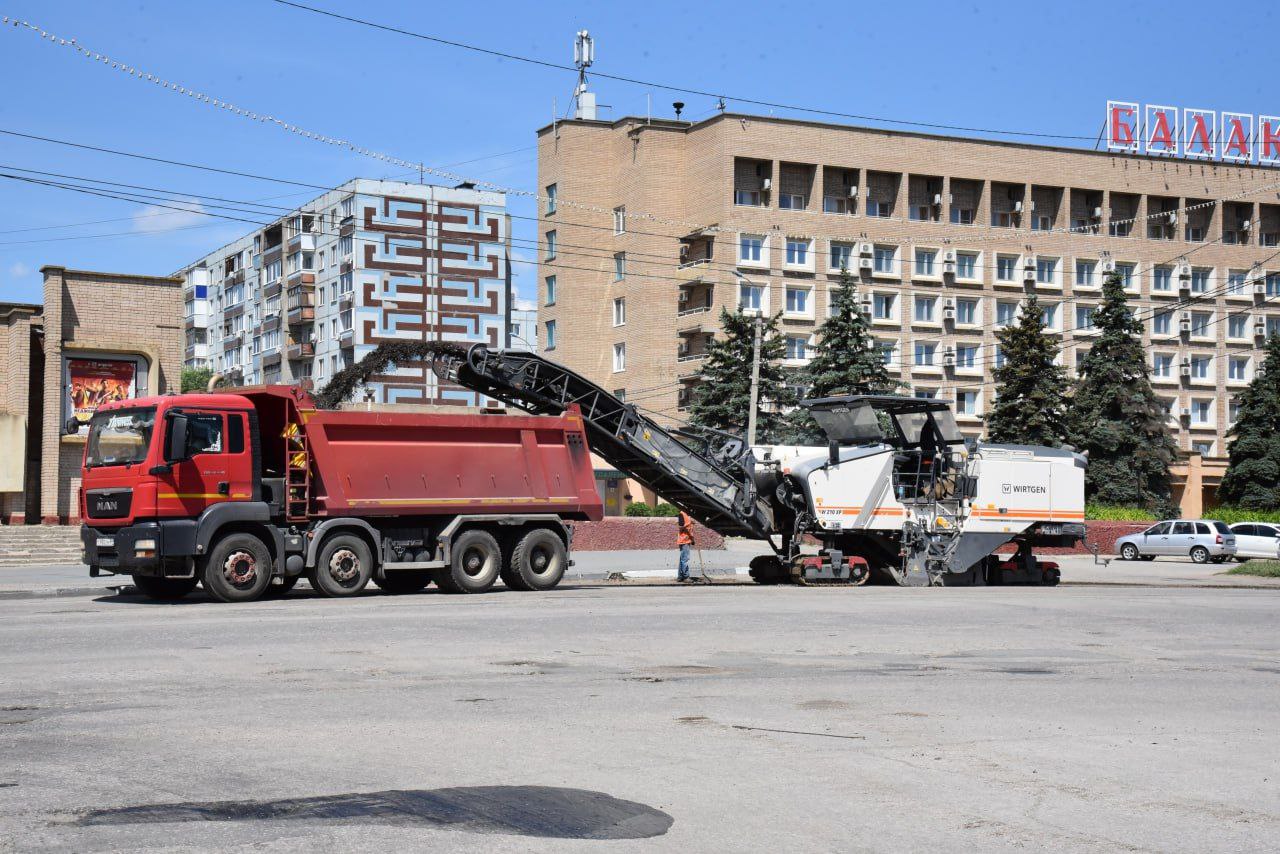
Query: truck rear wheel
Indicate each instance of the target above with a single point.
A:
(164, 588)
(474, 562)
(539, 560)
(238, 569)
(404, 580)
(343, 568)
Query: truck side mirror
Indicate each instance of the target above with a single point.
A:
(72, 427)
(175, 449)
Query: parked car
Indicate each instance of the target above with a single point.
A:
(1202, 540)
(1256, 539)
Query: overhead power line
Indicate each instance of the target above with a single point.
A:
(671, 87)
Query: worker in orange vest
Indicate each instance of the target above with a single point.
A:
(684, 541)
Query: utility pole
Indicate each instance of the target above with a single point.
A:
(757, 326)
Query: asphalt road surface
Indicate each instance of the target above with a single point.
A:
(656, 717)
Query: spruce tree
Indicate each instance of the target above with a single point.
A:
(1253, 470)
(846, 359)
(1115, 415)
(1031, 402)
(723, 397)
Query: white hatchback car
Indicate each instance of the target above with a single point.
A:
(1256, 539)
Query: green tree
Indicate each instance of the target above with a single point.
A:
(723, 397)
(1031, 406)
(1116, 417)
(1253, 471)
(846, 358)
(195, 379)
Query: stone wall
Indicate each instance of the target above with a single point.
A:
(626, 532)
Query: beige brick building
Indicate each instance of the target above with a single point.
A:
(97, 335)
(650, 227)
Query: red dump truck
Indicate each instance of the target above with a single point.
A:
(248, 490)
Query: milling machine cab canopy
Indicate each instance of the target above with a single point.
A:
(909, 423)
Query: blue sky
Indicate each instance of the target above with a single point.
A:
(1015, 65)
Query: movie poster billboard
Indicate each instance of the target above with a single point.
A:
(93, 382)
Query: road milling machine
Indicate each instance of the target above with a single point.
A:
(897, 495)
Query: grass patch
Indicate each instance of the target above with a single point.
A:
(1117, 513)
(1261, 568)
(1231, 515)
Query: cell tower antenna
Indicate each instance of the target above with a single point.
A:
(584, 53)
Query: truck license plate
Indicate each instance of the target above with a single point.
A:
(105, 542)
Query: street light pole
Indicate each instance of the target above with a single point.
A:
(755, 381)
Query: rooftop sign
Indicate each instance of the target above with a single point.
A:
(1193, 134)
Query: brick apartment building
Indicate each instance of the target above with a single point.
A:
(944, 236)
(366, 263)
(97, 336)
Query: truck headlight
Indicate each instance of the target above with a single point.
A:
(145, 548)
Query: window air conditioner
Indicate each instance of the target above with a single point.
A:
(949, 255)
(1185, 370)
(1097, 213)
(1186, 412)
(865, 249)
(853, 192)
(1260, 288)
(949, 313)
(684, 296)
(1245, 225)
(949, 358)
(937, 198)
(1029, 263)
(1017, 207)
(1260, 329)
(949, 268)
(1108, 266)
(1184, 322)
(766, 184)
(866, 264)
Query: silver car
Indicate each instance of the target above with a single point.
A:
(1202, 540)
(1256, 539)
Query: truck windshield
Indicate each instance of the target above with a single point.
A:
(120, 436)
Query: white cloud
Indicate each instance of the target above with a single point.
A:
(155, 218)
(19, 270)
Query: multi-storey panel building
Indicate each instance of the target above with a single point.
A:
(366, 263)
(649, 228)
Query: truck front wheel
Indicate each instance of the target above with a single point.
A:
(474, 562)
(539, 559)
(164, 588)
(238, 569)
(344, 567)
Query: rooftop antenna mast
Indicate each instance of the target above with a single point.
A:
(584, 53)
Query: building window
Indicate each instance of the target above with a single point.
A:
(1085, 271)
(966, 265)
(797, 300)
(1162, 279)
(924, 261)
(1273, 284)
(1233, 410)
(879, 209)
(1236, 281)
(750, 198)
(797, 348)
(888, 351)
(620, 219)
(751, 248)
(551, 334)
(551, 198)
(550, 291)
(792, 201)
(1006, 313)
(835, 205)
(1200, 321)
(1273, 326)
(1006, 268)
(619, 357)
(797, 252)
(1046, 270)
(966, 312)
(348, 206)
(1126, 275)
(999, 356)
(966, 402)
(1049, 315)
(1199, 280)
(885, 259)
(1203, 448)
(1162, 365)
(750, 297)
(924, 309)
(345, 245)
(1237, 326)
(619, 311)
(1200, 367)
(1162, 323)
(882, 306)
(551, 245)
(1238, 368)
(619, 266)
(271, 272)
(924, 354)
(966, 356)
(346, 283)
(1201, 411)
(1084, 317)
(841, 254)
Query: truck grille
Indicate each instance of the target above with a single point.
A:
(108, 503)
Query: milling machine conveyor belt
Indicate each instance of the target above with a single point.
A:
(719, 492)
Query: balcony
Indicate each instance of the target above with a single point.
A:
(690, 312)
(232, 341)
(693, 272)
(300, 350)
(305, 242)
(301, 278)
(301, 314)
(347, 338)
(346, 300)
